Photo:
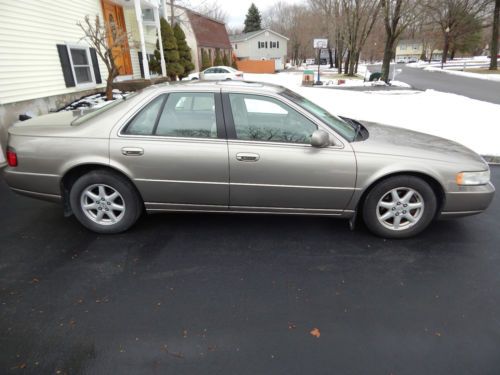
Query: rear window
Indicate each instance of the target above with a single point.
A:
(90, 113)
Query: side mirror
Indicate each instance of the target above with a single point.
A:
(320, 139)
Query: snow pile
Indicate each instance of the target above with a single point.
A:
(94, 101)
(473, 123)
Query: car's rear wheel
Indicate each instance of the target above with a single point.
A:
(105, 202)
(399, 207)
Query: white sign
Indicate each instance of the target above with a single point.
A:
(320, 43)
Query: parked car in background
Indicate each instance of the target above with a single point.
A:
(192, 77)
(240, 147)
(221, 73)
(401, 61)
(413, 60)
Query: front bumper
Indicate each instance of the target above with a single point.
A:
(469, 200)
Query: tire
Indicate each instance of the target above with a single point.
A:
(390, 211)
(117, 212)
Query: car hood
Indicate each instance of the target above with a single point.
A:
(391, 140)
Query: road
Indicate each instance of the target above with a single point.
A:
(420, 79)
(221, 294)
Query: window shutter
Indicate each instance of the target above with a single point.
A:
(140, 63)
(69, 80)
(95, 64)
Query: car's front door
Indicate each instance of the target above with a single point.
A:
(272, 165)
(174, 149)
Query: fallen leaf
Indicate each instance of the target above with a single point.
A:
(291, 325)
(34, 280)
(23, 365)
(315, 332)
(185, 333)
(437, 334)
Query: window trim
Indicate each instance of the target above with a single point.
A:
(90, 65)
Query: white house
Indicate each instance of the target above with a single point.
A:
(261, 45)
(45, 63)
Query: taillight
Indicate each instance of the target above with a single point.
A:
(11, 158)
(239, 75)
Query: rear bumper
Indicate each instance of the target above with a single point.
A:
(470, 200)
(35, 185)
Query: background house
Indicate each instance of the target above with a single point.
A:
(261, 45)
(407, 49)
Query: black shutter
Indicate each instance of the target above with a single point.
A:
(140, 64)
(95, 64)
(62, 50)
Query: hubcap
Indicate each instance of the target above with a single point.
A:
(102, 204)
(400, 208)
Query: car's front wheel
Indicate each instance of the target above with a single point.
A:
(105, 202)
(399, 207)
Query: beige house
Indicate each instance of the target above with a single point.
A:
(413, 49)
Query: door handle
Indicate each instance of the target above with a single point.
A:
(247, 156)
(132, 151)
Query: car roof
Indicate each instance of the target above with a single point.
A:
(227, 86)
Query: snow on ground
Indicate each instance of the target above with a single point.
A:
(486, 76)
(473, 123)
(95, 100)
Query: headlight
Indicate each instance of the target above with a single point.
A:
(473, 178)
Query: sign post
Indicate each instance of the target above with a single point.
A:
(319, 44)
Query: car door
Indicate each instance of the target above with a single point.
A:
(272, 165)
(174, 149)
(224, 74)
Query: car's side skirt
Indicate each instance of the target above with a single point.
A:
(173, 207)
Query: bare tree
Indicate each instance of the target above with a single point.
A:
(212, 9)
(455, 18)
(295, 21)
(360, 17)
(398, 15)
(494, 37)
(105, 40)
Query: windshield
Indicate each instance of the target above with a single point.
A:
(345, 129)
(90, 113)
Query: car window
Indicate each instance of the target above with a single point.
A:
(209, 71)
(261, 118)
(188, 115)
(345, 129)
(223, 70)
(144, 122)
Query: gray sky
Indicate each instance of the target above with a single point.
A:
(237, 9)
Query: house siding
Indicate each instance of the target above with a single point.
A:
(248, 49)
(29, 31)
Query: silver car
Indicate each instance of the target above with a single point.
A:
(240, 148)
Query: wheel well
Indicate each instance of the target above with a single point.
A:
(434, 184)
(75, 173)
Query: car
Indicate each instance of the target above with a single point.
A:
(192, 77)
(238, 147)
(401, 61)
(413, 60)
(221, 73)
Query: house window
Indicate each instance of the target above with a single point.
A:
(277, 44)
(258, 44)
(266, 44)
(81, 65)
(148, 16)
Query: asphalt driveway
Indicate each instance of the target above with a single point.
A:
(221, 294)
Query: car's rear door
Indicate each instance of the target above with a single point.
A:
(272, 165)
(175, 150)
